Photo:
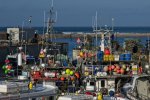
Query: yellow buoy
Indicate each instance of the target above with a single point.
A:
(42, 55)
(76, 93)
(86, 73)
(81, 54)
(30, 86)
(100, 96)
(111, 57)
(68, 71)
(106, 57)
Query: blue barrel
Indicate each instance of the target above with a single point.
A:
(100, 55)
(128, 57)
(65, 63)
(122, 57)
(111, 93)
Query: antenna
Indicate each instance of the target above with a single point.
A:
(96, 20)
(96, 26)
(22, 33)
(148, 50)
(112, 24)
(99, 25)
(43, 28)
(52, 4)
(93, 23)
(56, 17)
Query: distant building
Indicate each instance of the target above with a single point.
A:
(13, 34)
(17, 35)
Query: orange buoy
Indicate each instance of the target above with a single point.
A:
(81, 54)
(122, 71)
(62, 78)
(77, 75)
(72, 78)
(109, 68)
(107, 51)
(118, 71)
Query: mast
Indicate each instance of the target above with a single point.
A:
(148, 51)
(102, 41)
(43, 30)
(96, 27)
(22, 33)
(50, 22)
(112, 24)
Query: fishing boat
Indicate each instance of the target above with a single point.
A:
(54, 67)
(25, 71)
(104, 70)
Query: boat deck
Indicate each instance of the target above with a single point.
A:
(39, 91)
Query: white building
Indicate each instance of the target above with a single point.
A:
(13, 34)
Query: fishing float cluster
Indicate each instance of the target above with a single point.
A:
(66, 74)
(86, 54)
(69, 74)
(102, 56)
(115, 69)
(61, 73)
(7, 68)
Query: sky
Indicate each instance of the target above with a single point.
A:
(76, 13)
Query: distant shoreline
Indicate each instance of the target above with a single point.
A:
(59, 29)
(124, 35)
(133, 34)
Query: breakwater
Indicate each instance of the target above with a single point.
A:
(80, 34)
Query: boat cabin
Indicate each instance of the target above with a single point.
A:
(13, 61)
(105, 85)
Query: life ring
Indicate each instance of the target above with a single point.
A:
(104, 91)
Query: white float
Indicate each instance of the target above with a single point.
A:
(19, 59)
